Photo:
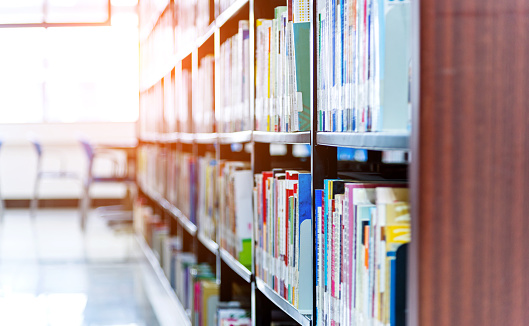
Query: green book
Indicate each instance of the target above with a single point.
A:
(302, 58)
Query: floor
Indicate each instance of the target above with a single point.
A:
(53, 274)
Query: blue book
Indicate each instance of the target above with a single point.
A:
(318, 203)
(305, 242)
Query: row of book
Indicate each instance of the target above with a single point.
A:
(282, 84)
(283, 234)
(184, 98)
(361, 234)
(151, 168)
(223, 4)
(192, 19)
(157, 50)
(195, 284)
(151, 110)
(208, 201)
(150, 11)
(236, 210)
(223, 192)
(234, 64)
(186, 184)
(204, 110)
(363, 65)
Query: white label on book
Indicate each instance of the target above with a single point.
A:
(299, 102)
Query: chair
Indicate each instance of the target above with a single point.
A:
(115, 215)
(41, 174)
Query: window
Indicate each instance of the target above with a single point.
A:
(70, 74)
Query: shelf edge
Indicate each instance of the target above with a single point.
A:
(155, 265)
(235, 266)
(282, 303)
(212, 246)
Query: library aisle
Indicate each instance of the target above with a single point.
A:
(63, 277)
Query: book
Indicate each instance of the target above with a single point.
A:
(231, 314)
(234, 70)
(236, 210)
(282, 93)
(284, 244)
(207, 202)
(360, 228)
(364, 65)
(204, 110)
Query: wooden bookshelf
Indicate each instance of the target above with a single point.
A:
(322, 162)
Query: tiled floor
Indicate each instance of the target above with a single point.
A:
(53, 274)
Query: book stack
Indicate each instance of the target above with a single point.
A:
(364, 65)
(150, 12)
(233, 316)
(206, 296)
(283, 236)
(140, 211)
(150, 161)
(204, 112)
(186, 186)
(235, 82)
(282, 91)
(362, 232)
(184, 263)
(183, 88)
(204, 16)
(169, 108)
(173, 173)
(151, 110)
(172, 246)
(223, 4)
(207, 196)
(186, 28)
(235, 199)
(157, 49)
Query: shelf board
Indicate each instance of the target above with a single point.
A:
(155, 77)
(230, 12)
(186, 138)
(236, 266)
(282, 303)
(171, 209)
(203, 38)
(366, 140)
(282, 137)
(170, 137)
(208, 243)
(185, 52)
(150, 138)
(235, 137)
(184, 220)
(151, 258)
(205, 138)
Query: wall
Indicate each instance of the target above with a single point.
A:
(60, 141)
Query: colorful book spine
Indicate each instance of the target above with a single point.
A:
(282, 96)
(363, 63)
(361, 234)
(286, 220)
(235, 76)
(236, 210)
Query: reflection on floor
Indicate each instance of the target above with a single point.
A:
(53, 274)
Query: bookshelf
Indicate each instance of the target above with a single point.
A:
(252, 148)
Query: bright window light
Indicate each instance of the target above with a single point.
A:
(77, 74)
